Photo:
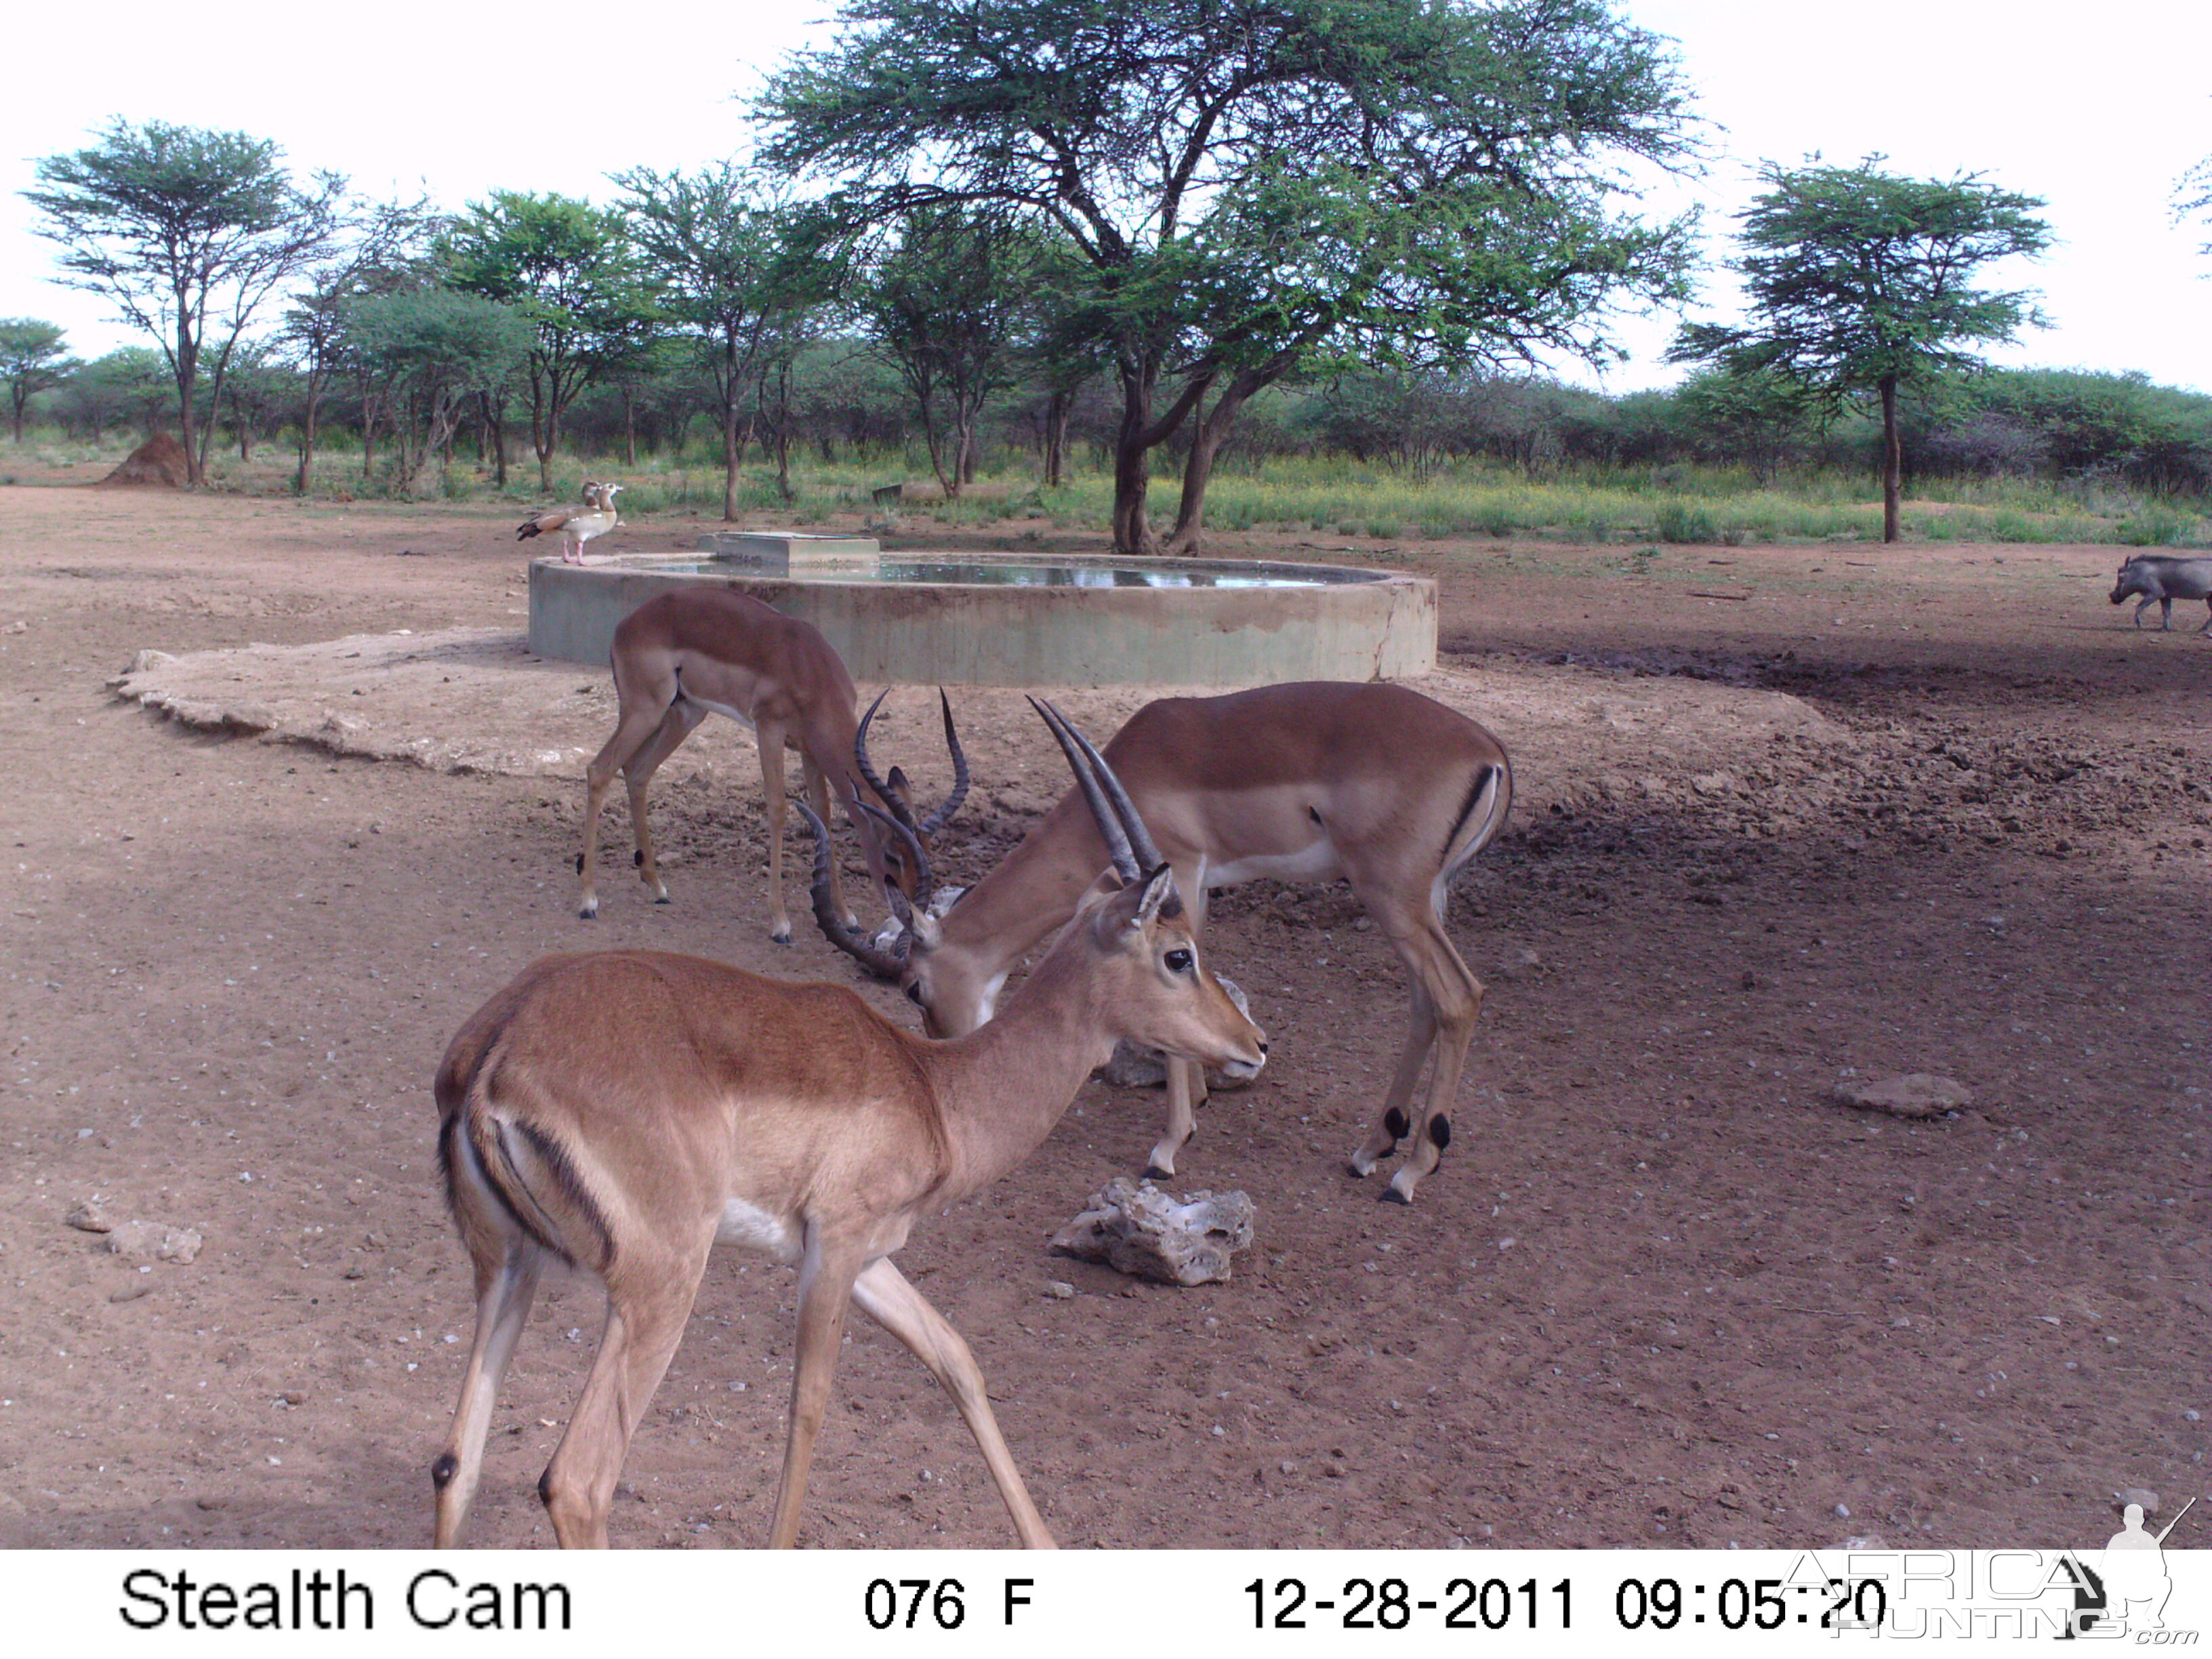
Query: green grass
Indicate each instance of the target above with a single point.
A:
(1330, 495)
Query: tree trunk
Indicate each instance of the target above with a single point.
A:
(1132, 534)
(495, 424)
(1056, 437)
(1198, 467)
(545, 423)
(732, 457)
(948, 477)
(1892, 459)
(306, 477)
(188, 369)
(630, 426)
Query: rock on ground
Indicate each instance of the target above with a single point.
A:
(1148, 1234)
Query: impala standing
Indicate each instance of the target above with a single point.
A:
(685, 655)
(1389, 789)
(622, 1112)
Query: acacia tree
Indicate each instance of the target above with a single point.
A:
(2192, 197)
(430, 352)
(126, 384)
(378, 252)
(1757, 417)
(572, 272)
(948, 304)
(33, 359)
(1860, 283)
(719, 242)
(188, 231)
(1258, 186)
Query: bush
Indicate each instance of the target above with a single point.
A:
(1685, 521)
(2153, 526)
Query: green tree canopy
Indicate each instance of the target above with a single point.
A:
(188, 231)
(431, 350)
(724, 244)
(950, 304)
(32, 357)
(572, 271)
(1862, 282)
(380, 250)
(130, 384)
(1258, 186)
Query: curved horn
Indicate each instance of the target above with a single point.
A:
(878, 963)
(868, 773)
(943, 816)
(1132, 823)
(1110, 826)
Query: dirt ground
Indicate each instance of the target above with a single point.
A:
(1874, 811)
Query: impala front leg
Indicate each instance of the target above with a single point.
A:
(773, 803)
(886, 1296)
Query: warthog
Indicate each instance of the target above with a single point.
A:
(2166, 579)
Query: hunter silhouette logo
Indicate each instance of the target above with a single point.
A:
(2127, 1591)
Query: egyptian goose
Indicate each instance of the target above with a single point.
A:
(575, 525)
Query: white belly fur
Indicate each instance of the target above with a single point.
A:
(755, 1229)
(1315, 861)
(736, 714)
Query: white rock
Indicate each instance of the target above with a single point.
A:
(1144, 1232)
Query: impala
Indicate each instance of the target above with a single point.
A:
(1378, 785)
(622, 1112)
(683, 655)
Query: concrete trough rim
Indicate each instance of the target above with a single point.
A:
(1354, 623)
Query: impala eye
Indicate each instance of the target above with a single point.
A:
(1178, 962)
(914, 994)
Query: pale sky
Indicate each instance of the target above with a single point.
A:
(2098, 109)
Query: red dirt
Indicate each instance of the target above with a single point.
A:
(1663, 1291)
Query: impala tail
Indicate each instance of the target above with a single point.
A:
(1489, 799)
(511, 1183)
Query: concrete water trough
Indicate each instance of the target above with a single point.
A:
(986, 619)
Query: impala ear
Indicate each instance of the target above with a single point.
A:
(1161, 898)
(1122, 906)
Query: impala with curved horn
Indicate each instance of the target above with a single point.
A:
(624, 1112)
(696, 651)
(1380, 785)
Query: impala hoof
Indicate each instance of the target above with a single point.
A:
(1391, 1196)
(1353, 1167)
(660, 898)
(784, 938)
(1153, 1172)
(587, 912)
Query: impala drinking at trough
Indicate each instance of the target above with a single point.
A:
(681, 656)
